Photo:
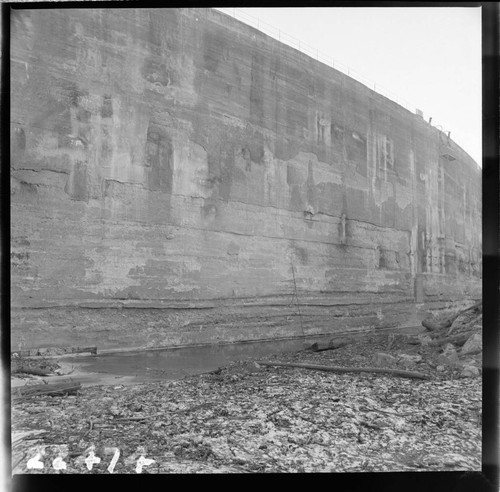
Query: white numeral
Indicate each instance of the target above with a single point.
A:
(92, 458)
(112, 465)
(35, 463)
(142, 461)
(59, 463)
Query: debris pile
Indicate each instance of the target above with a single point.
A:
(455, 342)
(450, 346)
(467, 319)
(22, 366)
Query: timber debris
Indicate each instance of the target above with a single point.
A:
(33, 366)
(395, 372)
(53, 351)
(55, 389)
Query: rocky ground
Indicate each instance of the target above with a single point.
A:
(251, 417)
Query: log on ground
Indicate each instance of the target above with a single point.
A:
(20, 369)
(394, 372)
(56, 389)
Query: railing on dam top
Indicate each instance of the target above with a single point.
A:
(315, 53)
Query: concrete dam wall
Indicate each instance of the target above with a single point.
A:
(178, 177)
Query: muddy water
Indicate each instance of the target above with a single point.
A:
(142, 366)
(172, 363)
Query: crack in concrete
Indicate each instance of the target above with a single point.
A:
(58, 171)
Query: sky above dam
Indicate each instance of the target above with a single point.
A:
(425, 58)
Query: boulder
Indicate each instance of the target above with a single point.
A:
(384, 360)
(470, 372)
(414, 359)
(114, 410)
(450, 351)
(449, 355)
(473, 344)
(409, 361)
(424, 339)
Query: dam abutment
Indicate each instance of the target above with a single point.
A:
(178, 177)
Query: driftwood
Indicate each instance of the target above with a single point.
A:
(446, 323)
(30, 370)
(395, 372)
(57, 351)
(133, 419)
(56, 389)
(330, 345)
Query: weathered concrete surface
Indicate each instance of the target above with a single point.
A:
(169, 167)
